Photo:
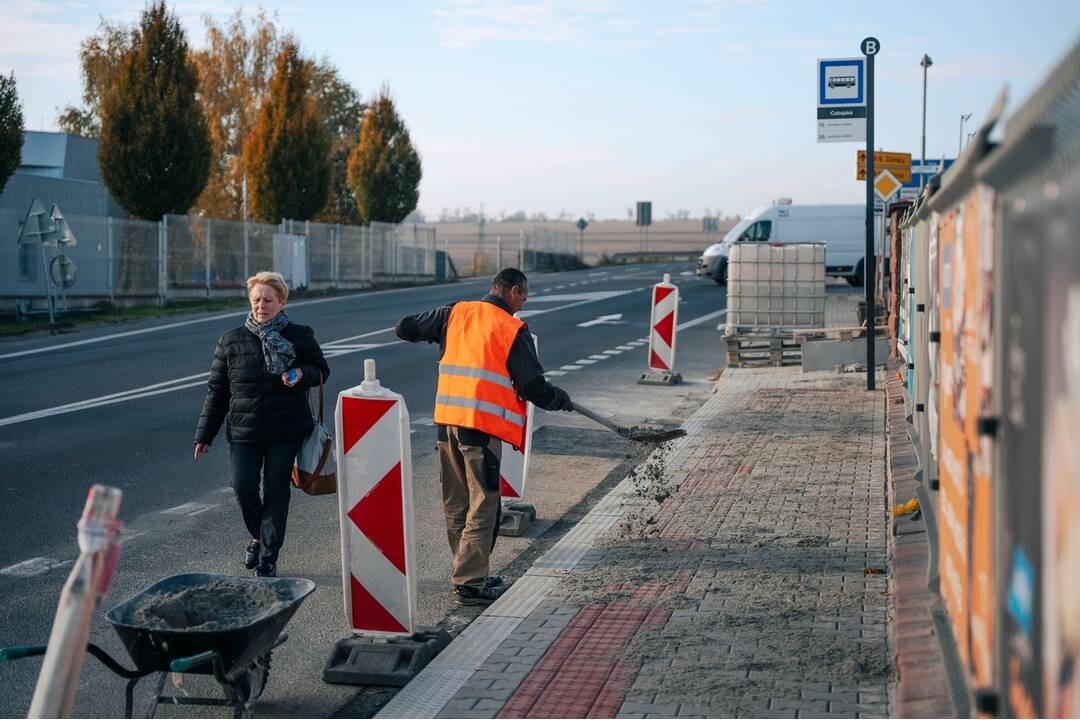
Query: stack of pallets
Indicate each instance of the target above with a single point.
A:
(760, 350)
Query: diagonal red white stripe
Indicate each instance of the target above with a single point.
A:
(665, 308)
(375, 503)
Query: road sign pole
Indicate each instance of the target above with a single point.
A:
(870, 47)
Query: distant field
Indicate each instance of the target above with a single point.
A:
(477, 252)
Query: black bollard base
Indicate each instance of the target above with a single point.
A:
(362, 660)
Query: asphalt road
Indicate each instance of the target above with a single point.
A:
(118, 404)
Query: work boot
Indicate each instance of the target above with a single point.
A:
(469, 595)
(493, 581)
(266, 569)
(251, 555)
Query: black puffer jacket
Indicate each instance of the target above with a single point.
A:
(258, 405)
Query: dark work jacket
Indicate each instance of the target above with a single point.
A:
(258, 406)
(523, 365)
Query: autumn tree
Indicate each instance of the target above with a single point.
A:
(235, 68)
(384, 169)
(155, 147)
(11, 128)
(101, 57)
(287, 155)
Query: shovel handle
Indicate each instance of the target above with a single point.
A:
(599, 418)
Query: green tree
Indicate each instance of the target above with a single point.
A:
(287, 155)
(101, 56)
(11, 128)
(385, 168)
(155, 146)
(342, 111)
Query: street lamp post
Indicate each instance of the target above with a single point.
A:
(925, 63)
(960, 144)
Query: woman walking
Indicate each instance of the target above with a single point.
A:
(258, 382)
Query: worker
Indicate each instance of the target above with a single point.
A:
(488, 369)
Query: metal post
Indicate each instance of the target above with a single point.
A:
(521, 250)
(247, 248)
(926, 62)
(208, 251)
(336, 260)
(870, 47)
(163, 261)
(960, 143)
(110, 262)
(498, 250)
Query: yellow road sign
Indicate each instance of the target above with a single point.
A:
(885, 159)
(901, 174)
(886, 185)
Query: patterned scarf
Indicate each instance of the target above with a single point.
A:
(278, 353)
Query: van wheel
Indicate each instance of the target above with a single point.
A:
(856, 278)
(721, 278)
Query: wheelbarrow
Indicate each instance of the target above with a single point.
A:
(236, 654)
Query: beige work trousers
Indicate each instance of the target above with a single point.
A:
(471, 506)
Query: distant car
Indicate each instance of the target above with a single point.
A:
(839, 81)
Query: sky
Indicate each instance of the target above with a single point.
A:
(587, 106)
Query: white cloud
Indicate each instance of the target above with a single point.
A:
(465, 23)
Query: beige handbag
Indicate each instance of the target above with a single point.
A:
(315, 470)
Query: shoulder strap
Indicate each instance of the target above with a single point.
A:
(320, 396)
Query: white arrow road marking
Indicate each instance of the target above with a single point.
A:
(615, 319)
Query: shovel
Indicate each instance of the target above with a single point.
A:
(637, 433)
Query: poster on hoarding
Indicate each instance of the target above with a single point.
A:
(1061, 450)
(1023, 269)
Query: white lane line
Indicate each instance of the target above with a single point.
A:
(554, 373)
(624, 348)
(185, 323)
(699, 320)
(613, 352)
(158, 389)
(643, 340)
(599, 357)
(188, 509)
(585, 361)
(559, 287)
(33, 567)
(334, 343)
(424, 420)
(127, 536)
(570, 367)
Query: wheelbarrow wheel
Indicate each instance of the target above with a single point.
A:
(248, 686)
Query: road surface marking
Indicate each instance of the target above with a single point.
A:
(699, 320)
(424, 420)
(189, 509)
(184, 323)
(570, 367)
(590, 296)
(613, 352)
(599, 357)
(554, 373)
(33, 567)
(624, 348)
(585, 361)
(615, 319)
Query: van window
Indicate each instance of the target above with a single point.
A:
(758, 232)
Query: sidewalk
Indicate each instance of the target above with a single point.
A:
(724, 578)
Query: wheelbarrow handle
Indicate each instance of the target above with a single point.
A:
(18, 652)
(184, 664)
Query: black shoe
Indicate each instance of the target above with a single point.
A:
(493, 581)
(266, 569)
(469, 595)
(251, 555)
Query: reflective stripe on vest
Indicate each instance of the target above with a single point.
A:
(475, 389)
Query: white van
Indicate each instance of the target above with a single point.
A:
(841, 227)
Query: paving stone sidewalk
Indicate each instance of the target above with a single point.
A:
(726, 578)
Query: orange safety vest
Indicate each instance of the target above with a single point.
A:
(475, 389)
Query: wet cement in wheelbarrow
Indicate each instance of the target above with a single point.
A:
(216, 605)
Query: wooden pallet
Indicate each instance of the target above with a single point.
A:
(745, 350)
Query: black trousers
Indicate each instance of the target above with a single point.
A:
(265, 515)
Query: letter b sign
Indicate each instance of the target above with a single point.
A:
(870, 46)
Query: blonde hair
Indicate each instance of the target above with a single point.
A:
(273, 279)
